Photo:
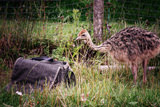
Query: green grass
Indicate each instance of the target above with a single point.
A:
(93, 88)
(112, 88)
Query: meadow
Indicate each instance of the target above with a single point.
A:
(114, 87)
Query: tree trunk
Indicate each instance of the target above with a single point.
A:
(98, 16)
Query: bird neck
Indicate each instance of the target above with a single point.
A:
(92, 45)
(100, 48)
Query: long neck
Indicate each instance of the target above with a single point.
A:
(93, 46)
(102, 48)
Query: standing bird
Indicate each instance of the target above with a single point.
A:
(132, 46)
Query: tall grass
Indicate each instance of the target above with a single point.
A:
(112, 88)
(93, 88)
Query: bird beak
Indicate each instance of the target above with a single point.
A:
(77, 38)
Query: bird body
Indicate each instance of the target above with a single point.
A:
(132, 46)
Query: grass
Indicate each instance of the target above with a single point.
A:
(93, 88)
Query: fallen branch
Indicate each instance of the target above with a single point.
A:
(118, 67)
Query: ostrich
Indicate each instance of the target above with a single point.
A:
(132, 46)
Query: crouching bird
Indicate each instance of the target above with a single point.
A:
(132, 46)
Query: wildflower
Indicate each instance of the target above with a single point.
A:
(19, 93)
(83, 98)
(37, 102)
(87, 94)
(102, 101)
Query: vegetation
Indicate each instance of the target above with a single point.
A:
(94, 88)
(130, 11)
(28, 38)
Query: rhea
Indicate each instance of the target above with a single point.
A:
(132, 46)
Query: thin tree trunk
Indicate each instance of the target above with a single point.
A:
(98, 17)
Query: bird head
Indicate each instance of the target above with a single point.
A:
(83, 35)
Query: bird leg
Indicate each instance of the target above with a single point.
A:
(134, 72)
(145, 62)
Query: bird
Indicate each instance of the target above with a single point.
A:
(132, 46)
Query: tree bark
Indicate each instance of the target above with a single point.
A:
(98, 17)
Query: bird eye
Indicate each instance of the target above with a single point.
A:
(83, 35)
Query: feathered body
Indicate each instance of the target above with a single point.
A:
(131, 45)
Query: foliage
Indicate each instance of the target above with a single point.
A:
(130, 11)
(21, 37)
(18, 39)
(7, 99)
(135, 10)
